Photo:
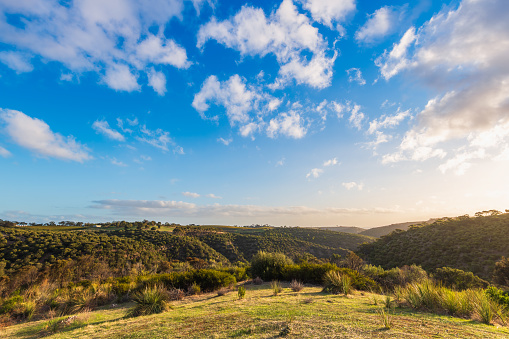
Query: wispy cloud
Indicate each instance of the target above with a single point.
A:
(104, 128)
(191, 194)
(353, 185)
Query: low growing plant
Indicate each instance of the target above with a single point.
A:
(149, 301)
(276, 287)
(241, 292)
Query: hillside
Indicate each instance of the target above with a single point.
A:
(470, 244)
(378, 232)
(345, 229)
(306, 314)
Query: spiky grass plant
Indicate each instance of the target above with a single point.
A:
(149, 301)
(276, 287)
(385, 317)
(241, 292)
(337, 283)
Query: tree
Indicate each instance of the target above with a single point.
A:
(501, 272)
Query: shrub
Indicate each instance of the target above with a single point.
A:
(193, 289)
(241, 292)
(498, 295)
(389, 279)
(257, 281)
(336, 283)
(458, 279)
(501, 272)
(296, 285)
(269, 265)
(149, 301)
(276, 287)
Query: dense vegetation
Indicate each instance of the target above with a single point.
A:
(471, 244)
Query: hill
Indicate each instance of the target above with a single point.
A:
(345, 229)
(469, 244)
(380, 231)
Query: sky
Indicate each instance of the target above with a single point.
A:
(292, 112)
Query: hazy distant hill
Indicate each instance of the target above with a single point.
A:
(345, 229)
(470, 244)
(378, 232)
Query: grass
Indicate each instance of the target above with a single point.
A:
(260, 315)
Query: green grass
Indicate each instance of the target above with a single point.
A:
(261, 315)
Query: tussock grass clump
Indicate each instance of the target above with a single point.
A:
(296, 285)
(337, 283)
(241, 292)
(385, 317)
(257, 281)
(194, 289)
(149, 301)
(471, 303)
(276, 287)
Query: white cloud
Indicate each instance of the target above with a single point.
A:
(461, 53)
(120, 78)
(355, 75)
(191, 194)
(103, 127)
(330, 162)
(378, 25)
(16, 61)
(179, 208)
(314, 173)
(36, 135)
(329, 12)
(225, 142)
(356, 116)
(387, 121)
(286, 33)
(393, 62)
(116, 162)
(105, 37)
(157, 138)
(4, 153)
(353, 185)
(281, 162)
(287, 124)
(157, 80)
(232, 94)
(213, 196)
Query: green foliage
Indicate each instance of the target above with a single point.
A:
(470, 244)
(269, 265)
(276, 287)
(389, 279)
(458, 279)
(498, 295)
(149, 301)
(241, 292)
(336, 283)
(385, 317)
(206, 279)
(501, 272)
(194, 289)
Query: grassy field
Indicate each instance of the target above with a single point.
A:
(306, 314)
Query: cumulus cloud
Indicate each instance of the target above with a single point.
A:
(286, 33)
(102, 126)
(378, 25)
(353, 185)
(213, 196)
(225, 142)
(110, 38)
(314, 173)
(330, 162)
(356, 116)
(35, 135)
(461, 53)
(287, 124)
(191, 194)
(329, 12)
(157, 80)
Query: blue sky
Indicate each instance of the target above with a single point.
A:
(303, 112)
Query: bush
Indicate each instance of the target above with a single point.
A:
(335, 282)
(296, 286)
(498, 295)
(207, 279)
(389, 279)
(269, 265)
(194, 289)
(241, 292)
(458, 279)
(501, 272)
(149, 301)
(257, 281)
